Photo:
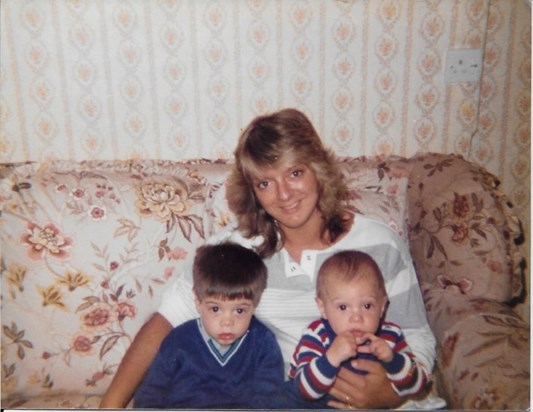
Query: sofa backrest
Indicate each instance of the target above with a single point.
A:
(88, 248)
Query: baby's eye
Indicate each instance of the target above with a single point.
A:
(342, 307)
(368, 305)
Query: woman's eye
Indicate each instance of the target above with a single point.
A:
(297, 173)
(262, 185)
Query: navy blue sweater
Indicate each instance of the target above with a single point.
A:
(186, 374)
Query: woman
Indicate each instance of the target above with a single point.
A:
(285, 190)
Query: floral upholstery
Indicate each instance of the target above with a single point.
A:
(462, 238)
(88, 248)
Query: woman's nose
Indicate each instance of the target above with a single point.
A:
(284, 191)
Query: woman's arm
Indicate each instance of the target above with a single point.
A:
(371, 391)
(136, 362)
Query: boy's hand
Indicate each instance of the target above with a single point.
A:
(344, 347)
(376, 346)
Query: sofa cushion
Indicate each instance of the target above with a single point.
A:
(87, 250)
(462, 233)
(474, 335)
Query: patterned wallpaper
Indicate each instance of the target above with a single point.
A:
(116, 79)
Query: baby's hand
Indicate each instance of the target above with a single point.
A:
(376, 346)
(343, 347)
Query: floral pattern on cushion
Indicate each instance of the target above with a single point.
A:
(461, 230)
(483, 355)
(87, 250)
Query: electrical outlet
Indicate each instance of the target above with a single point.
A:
(463, 65)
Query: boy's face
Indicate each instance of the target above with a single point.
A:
(356, 306)
(225, 320)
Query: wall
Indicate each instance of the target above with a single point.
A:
(107, 79)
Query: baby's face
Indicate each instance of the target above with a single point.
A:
(225, 320)
(356, 306)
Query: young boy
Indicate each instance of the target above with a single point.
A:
(226, 358)
(352, 301)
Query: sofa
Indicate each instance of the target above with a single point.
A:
(88, 247)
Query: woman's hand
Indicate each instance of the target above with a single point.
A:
(369, 391)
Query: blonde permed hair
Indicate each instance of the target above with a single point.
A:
(268, 141)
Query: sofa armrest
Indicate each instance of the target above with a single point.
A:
(463, 233)
(482, 352)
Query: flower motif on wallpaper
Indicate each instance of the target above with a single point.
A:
(170, 203)
(84, 72)
(129, 54)
(300, 15)
(383, 115)
(424, 130)
(258, 69)
(432, 27)
(300, 85)
(89, 108)
(36, 56)
(175, 105)
(427, 98)
(218, 88)
(171, 36)
(389, 11)
(46, 241)
(215, 53)
(131, 89)
(342, 100)
(258, 34)
(215, 17)
(343, 31)
(174, 71)
(32, 18)
(343, 67)
(45, 126)
(301, 51)
(429, 63)
(386, 47)
(385, 81)
(81, 36)
(42, 91)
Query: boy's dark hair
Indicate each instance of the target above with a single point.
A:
(230, 271)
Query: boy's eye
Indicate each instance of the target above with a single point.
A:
(215, 309)
(240, 311)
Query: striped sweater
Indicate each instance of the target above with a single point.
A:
(314, 375)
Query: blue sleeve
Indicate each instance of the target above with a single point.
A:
(269, 371)
(152, 393)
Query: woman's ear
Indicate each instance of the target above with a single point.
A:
(321, 307)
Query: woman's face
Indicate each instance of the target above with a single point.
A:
(289, 193)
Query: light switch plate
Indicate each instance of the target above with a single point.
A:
(463, 65)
